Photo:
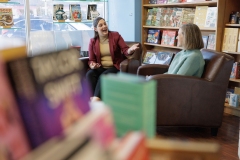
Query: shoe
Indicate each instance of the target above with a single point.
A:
(94, 99)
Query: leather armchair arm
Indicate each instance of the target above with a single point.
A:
(152, 69)
(129, 66)
(183, 100)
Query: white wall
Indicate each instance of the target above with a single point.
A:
(125, 17)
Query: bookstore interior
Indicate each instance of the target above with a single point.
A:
(45, 112)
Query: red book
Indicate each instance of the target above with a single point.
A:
(132, 147)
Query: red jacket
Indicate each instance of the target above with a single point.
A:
(118, 49)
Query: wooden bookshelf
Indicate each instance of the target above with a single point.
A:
(232, 110)
(218, 30)
(231, 5)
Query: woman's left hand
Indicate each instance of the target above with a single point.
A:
(133, 48)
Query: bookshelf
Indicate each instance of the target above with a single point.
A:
(232, 5)
(218, 30)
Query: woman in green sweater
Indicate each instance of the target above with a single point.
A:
(189, 61)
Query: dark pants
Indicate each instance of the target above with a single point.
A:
(93, 78)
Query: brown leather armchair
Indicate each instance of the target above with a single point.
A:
(191, 101)
(129, 65)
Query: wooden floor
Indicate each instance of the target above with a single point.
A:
(228, 135)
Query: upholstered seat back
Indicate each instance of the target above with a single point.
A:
(216, 66)
(131, 64)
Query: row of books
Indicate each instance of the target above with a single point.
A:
(74, 12)
(168, 37)
(154, 57)
(173, 1)
(231, 40)
(203, 16)
(6, 17)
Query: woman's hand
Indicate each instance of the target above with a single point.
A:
(133, 48)
(94, 65)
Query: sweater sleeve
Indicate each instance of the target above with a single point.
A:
(190, 66)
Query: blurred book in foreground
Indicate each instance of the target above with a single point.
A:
(13, 139)
(133, 102)
(88, 139)
(50, 91)
(171, 149)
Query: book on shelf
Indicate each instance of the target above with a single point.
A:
(231, 39)
(132, 97)
(149, 17)
(153, 36)
(161, 1)
(149, 57)
(6, 17)
(237, 91)
(200, 15)
(211, 17)
(161, 16)
(169, 37)
(75, 12)
(234, 100)
(13, 138)
(211, 41)
(229, 91)
(164, 58)
(91, 8)
(176, 16)
(58, 11)
(154, 16)
(188, 15)
(152, 1)
(50, 91)
(205, 40)
(235, 73)
(174, 1)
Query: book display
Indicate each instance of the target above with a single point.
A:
(150, 57)
(75, 12)
(6, 17)
(92, 8)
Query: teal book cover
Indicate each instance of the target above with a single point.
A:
(133, 102)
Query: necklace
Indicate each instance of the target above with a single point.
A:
(103, 39)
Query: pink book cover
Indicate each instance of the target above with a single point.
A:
(13, 140)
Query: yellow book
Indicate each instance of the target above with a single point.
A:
(200, 15)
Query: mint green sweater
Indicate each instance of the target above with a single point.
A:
(188, 63)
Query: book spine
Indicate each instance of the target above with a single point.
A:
(23, 85)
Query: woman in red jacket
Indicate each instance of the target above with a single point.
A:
(106, 51)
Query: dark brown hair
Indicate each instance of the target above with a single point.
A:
(95, 23)
(192, 36)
